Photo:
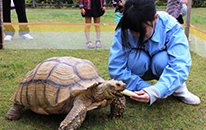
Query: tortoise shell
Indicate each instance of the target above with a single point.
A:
(54, 81)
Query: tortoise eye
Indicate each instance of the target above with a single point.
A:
(118, 84)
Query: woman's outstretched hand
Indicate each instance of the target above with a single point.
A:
(141, 96)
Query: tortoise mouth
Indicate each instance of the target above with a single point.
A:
(117, 93)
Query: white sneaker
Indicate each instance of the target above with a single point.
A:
(26, 37)
(8, 38)
(187, 97)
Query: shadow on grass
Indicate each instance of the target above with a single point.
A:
(41, 121)
(135, 114)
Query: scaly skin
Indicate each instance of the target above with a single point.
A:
(117, 107)
(75, 117)
(14, 112)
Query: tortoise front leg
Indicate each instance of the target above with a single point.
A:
(117, 107)
(75, 117)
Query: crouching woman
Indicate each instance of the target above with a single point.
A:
(151, 45)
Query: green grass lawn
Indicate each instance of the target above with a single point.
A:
(169, 113)
(198, 16)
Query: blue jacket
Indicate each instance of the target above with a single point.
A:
(168, 32)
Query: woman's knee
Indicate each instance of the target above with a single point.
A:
(138, 64)
(159, 62)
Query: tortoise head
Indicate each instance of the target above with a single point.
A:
(110, 89)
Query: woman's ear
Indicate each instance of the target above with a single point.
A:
(155, 17)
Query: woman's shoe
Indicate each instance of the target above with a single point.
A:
(187, 97)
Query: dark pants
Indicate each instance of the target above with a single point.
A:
(21, 13)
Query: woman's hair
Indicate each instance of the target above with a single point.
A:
(137, 14)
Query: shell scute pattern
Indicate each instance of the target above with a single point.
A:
(54, 81)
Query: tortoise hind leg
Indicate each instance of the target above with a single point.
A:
(14, 112)
(117, 107)
(75, 117)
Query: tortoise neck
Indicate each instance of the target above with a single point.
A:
(97, 93)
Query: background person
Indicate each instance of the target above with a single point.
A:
(95, 9)
(21, 13)
(175, 8)
(119, 7)
(151, 45)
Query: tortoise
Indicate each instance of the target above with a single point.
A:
(67, 85)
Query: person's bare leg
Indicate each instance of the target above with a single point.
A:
(97, 27)
(98, 31)
(87, 32)
(87, 28)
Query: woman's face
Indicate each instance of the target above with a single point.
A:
(149, 29)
